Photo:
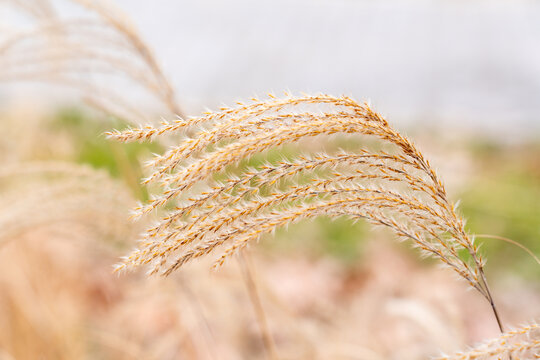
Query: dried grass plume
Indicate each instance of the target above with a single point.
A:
(521, 343)
(93, 50)
(388, 183)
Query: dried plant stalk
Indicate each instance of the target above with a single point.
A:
(396, 187)
(522, 343)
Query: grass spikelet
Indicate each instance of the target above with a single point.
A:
(521, 343)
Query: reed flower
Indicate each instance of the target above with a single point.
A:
(395, 187)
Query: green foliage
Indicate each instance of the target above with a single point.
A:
(121, 161)
(339, 238)
(504, 200)
(342, 238)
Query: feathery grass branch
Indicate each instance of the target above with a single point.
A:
(391, 184)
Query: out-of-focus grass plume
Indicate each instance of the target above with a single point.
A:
(89, 47)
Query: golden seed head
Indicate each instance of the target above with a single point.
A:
(393, 187)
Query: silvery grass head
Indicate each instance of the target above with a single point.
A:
(396, 187)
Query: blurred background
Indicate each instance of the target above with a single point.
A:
(460, 78)
(472, 64)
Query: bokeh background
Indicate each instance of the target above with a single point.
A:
(460, 78)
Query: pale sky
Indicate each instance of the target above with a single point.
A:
(465, 61)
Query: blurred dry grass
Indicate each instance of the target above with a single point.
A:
(60, 301)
